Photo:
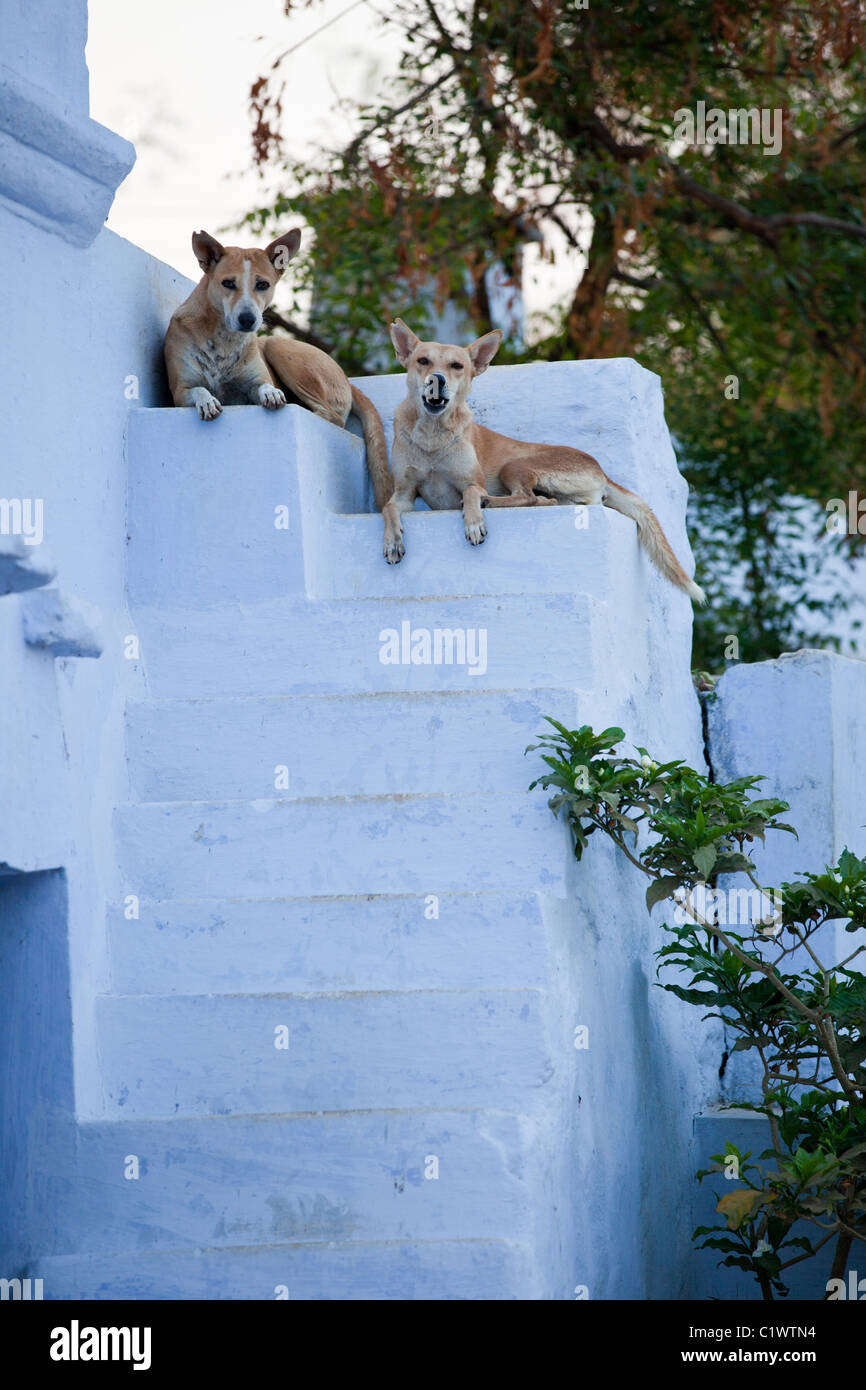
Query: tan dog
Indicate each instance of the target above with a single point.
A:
(441, 455)
(214, 357)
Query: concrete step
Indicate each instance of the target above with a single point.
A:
(192, 1055)
(341, 846)
(564, 550)
(296, 646)
(261, 1180)
(375, 1270)
(230, 477)
(297, 945)
(224, 483)
(349, 745)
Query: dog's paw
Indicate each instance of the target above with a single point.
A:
(476, 532)
(271, 397)
(394, 549)
(208, 406)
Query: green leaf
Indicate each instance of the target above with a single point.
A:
(659, 889)
(704, 859)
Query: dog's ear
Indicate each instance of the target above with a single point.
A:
(281, 251)
(207, 249)
(404, 340)
(483, 351)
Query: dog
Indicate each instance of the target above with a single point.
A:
(214, 357)
(441, 455)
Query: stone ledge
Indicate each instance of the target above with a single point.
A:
(57, 169)
(60, 625)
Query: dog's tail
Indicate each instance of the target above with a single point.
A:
(651, 537)
(377, 449)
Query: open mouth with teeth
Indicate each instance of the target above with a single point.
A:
(435, 404)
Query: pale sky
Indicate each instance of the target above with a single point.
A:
(173, 76)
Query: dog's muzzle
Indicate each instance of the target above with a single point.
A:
(433, 394)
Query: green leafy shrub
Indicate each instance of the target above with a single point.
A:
(807, 1024)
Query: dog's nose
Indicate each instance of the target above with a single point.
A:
(246, 320)
(437, 380)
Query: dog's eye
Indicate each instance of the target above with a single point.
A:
(457, 366)
(229, 285)
(263, 285)
(423, 361)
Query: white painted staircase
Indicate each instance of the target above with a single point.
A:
(337, 1049)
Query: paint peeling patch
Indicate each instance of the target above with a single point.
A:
(376, 830)
(316, 1218)
(203, 839)
(523, 711)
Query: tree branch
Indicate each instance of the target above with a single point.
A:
(393, 112)
(274, 319)
(763, 227)
(817, 219)
(636, 281)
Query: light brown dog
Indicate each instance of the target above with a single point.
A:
(441, 455)
(214, 357)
